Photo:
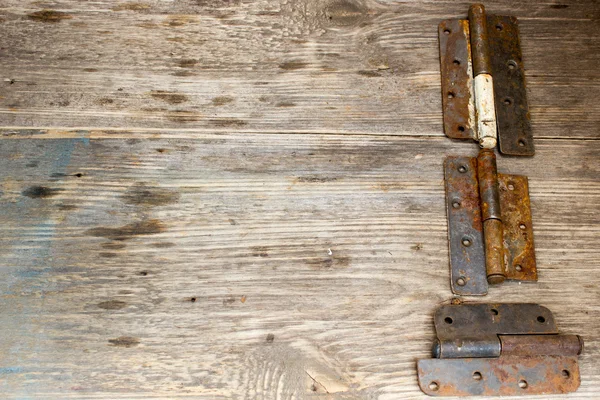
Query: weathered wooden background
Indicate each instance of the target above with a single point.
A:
(244, 199)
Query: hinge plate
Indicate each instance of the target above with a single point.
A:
(465, 230)
(512, 109)
(468, 363)
(503, 376)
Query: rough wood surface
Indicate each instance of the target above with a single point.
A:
(337, 66)
(244, 199)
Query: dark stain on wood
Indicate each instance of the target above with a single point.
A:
(370, 74)
(169, 97)
(40, 192)
(125, 232)
(163, 245)
(124, 341)
(559, 6)
(330, 262)
(113, 246)
(222, 100)
(149, 196)
(131, 7)
(32, 164)
(182, 116)
(90, 70)
(292, 65)
(260, 251)
(417, 247)
(228, 301)
(232, 221)
(286, 104)
(228, 122)
(314, 179)
(112, 305)
(345, 13)
(187, 63)
(108, 255)
(67, 207)
(270, 338)
(104, 101)
(51, 16)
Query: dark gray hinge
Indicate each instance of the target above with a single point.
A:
(490, 231)
(483, 83)
(499, 349)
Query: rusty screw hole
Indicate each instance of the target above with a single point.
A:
(461, 281)
(523, 384)
(456, 204)
(499, 27)
(494, 311)
(447, 31)
(566, 373)
(461, 128)
(518, 268)
(456, 62)
(477, 375)
(522, 143)
(466, 241)
(462, 169)
(448, 320)
(434, 386)
(510, 186)
(512, 64)
(507, 101)
(541, 319)
(522, 226)
(451, 95)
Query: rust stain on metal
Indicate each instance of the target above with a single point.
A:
(518, 228)
(457, 79)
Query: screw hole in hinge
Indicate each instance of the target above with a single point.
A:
(466, 241)
(461, 128)
(522, 143)
(494, 311)
(522, 226)
(447, 31)
(512, 64)
(518, 268)
(448, 320)
(566, 373)
(451, 95)
(462, 169)
(456, 62)
(477, 376)
(434, 386)
(456, 204)
(462, 281)
(507, 101)
(499, 27)
(523, 384)
(510, 186)
(541, 319)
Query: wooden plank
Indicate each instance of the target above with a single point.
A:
(258, 266)
(347, 66)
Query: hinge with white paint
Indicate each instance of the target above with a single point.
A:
(490, 232)
(499, 349)
(483, 84)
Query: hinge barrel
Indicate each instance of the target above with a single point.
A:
(541, 345)
(489, 193)
(479, 40)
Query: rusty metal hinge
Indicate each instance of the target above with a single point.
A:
(490, 231)
(499, 349)
(483, 83)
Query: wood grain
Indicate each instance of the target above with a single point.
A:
(244, 199)
(258, 266)
(294, 66)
